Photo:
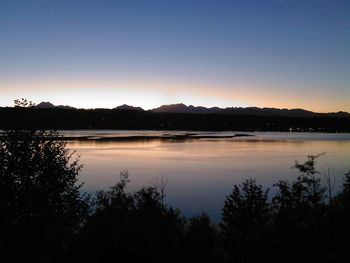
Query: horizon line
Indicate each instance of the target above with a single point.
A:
(179, 103)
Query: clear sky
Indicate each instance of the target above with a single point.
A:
(103, 53)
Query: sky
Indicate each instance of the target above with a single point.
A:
(104, 53)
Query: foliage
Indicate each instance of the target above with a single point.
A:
(23, 103)
(40, 203)
(309, 181)
(304, 222)
(130, 226)
(202, 239)
(245, 219)
(39, 193)
(345, 194)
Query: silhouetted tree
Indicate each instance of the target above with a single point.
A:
(342, 203)
(160, 185)
(202, 240)
(40, 202)
(341, 219)
(300, 201)
(131, 226)
(23, 103)
(345, 193)
(292, 204)
(117, 197)
(300, 214)
(245, 219)
(310, 180)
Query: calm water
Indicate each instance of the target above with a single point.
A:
(201, 172)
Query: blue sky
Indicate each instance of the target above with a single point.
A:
(146, 53)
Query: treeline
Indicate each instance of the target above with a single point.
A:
(30, 118)
(45, 217)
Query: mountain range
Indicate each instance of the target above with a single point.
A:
(49, 105)
(182, 108)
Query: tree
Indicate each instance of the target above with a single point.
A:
(23, 103)
(40, 202)
(202, 240)
(245, 218)
(295, 200)
(130, 226)
(345, 194)
(300, 214)
(310, 180)
(117, 198)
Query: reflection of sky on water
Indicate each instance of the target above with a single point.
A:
(202, 172)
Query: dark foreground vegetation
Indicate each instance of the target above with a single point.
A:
(45, 217)
(62, 118)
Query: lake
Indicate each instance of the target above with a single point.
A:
(201, 167)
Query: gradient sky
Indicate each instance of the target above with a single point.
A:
(101, 53)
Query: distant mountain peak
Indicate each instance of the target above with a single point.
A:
(128, 107)
(45, 105)
(182, 108)
(49, 105)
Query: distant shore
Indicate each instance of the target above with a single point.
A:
(73, 119)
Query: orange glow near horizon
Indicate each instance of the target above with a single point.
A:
(150, 94)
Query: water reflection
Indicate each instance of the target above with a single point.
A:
(202, 172)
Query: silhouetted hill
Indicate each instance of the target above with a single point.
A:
(63, 118)
(49, 105)
(128, 107)
(182, 108)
